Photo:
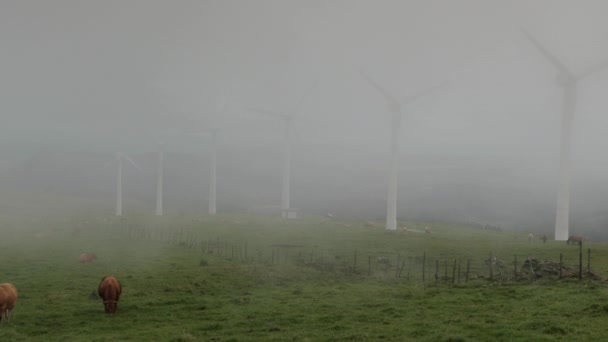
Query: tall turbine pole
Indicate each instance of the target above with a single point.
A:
(562, 214)
(159, 183)
(395, 108)
(119, 187)
(213, 173)
(391, 209)
(285, 192)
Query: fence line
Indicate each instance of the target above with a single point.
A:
(416, 267)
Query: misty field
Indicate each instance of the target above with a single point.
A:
(250, 278)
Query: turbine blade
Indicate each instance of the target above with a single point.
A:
(388, 97)
(593, 69)
(304, 97)
(561, 67)
(127, 158)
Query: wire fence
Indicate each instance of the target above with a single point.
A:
(439, 268)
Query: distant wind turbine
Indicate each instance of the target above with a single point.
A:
(395, 108)
(118, 160)
(159, 180)
(213, 173)
(288, 120)
(569, 81)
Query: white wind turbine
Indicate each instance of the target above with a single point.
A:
(396, 109)
(213, 172)
(119, 159)
(159, 180)
(213, 132)
(569, 81)
(288, 120)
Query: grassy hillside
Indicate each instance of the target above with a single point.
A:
(247, 278)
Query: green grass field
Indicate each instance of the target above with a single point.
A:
(248, 278)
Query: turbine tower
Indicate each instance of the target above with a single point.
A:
(568, 80)
(288, 120)
(396, 109)
(119, 159)
(213, 173)
(159, 180)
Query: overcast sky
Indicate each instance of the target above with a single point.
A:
(115, 74)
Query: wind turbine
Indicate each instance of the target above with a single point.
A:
(288, 120)
(119, 159)
(396, 109)
(569, 81)
(213, 173)
(159, 180)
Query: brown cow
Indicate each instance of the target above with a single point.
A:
(8, 299)
(85, 258)
(574, 239)
(109, 290)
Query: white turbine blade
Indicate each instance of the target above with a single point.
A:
(593, 69)
(561, 67)
(424, 92)
(127, 158)
(305, 97)
(388, 97)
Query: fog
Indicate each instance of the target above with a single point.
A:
(82, 80)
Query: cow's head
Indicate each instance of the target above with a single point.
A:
(110, 306)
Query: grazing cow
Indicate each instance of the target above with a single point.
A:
(86, 258)
(8, 299)
(574, 239)
(109, 290)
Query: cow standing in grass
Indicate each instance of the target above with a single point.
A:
(109, 290)
(8, 299)
(574, 239)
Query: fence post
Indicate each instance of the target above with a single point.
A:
(401, 269)
(445, 264)
(491, 273)
(580, 260)
(466, 277)
(454, 272)
(355, 266)
(409, 267)
(436, 270)
(561, 264)
(531, 268)
(458, 273)
(386, 267)
(423, 265)
(515, 264)
(589, 262)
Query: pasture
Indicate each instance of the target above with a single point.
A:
(248, 278)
